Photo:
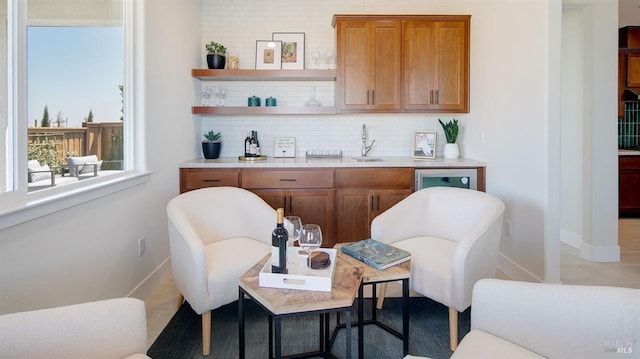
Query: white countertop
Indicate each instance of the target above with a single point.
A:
(302, 162)
(628, 153)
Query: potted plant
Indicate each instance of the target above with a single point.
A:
(451, 149)
(216, 55)
(212, 144)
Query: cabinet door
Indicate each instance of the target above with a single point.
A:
(419, 64)
(354, 208)
(633, 70)
(451, 75)
(275, 198)
(358, 207)
(353, 49)
(386, 61)
(386, 199)
(314, 206)
(369, 63)
(436, 66)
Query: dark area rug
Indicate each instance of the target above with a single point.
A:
(428, 329)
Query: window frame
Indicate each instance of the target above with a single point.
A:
(19, 205)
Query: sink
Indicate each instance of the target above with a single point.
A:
(366, 159)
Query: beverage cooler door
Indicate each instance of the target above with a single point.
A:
(461, 178)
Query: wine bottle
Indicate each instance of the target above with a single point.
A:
(279, 238)
(257, 144)
(247, 143)
(253, 144)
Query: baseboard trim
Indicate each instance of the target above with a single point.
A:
(570, 238)
(515, 271)
(144, 290)
(600, 253)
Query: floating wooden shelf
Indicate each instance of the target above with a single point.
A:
(264, 75)
(276, 110)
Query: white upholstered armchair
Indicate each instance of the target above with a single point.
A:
(453, 235)
(215, 235)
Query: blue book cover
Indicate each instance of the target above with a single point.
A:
(376, 254)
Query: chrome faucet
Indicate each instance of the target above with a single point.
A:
(365, 148)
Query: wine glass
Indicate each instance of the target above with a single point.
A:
(206, 95)
(310, 239)
(293, 225)
(315, 58)
(222, 94)
(328, 58)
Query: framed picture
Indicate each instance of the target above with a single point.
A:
(424, 144)
(292, 49)
(268, 55)
(285, 147)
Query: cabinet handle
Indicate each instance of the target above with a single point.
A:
(371, 203)
(378, 203)
(373, 97)
(288, 179)
(431, 100)
(284, 203)
(367, 97)
(210, 180)
(438, 96)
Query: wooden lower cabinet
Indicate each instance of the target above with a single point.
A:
(195, 178)
(306, 193)
(356, 208)
(629, 186)
(311, 205)
(364, 193)
(343, 201)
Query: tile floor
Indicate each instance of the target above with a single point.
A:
(162, 304)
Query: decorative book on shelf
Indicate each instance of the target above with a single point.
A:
(376, 254)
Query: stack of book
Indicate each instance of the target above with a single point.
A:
(376, 254)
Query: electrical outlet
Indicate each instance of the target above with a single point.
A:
(141, 246)
(507, 228)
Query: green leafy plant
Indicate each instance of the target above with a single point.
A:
(450, 130)
(212, 136)
(214, 48)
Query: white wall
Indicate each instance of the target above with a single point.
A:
(506, 126)
(628, 13)
(90, 251)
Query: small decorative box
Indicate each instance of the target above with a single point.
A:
(300, 276)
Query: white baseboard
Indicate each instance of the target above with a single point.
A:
(570, 238)
(150, 283)
(515, 271)
(600, 253)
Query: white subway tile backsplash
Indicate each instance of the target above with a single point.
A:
(238, 25)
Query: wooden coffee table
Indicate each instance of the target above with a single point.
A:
(372, 276)
(280, 303)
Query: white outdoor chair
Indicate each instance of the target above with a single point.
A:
(453, 235)
(215, 235)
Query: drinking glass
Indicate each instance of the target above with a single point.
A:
(206, 95)
(222, 94)
(310, 239)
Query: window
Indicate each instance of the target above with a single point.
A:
(67, 65)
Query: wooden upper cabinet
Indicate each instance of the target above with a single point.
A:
(369, 65)
(396, 63)
(436, 65)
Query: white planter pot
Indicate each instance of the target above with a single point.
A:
(451, 150)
